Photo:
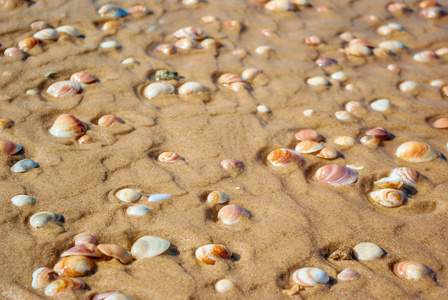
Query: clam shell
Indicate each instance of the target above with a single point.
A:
(149, 246)
(380, 104)
(67, 125)
(379, 132)
(110, 44)
(343, 115)
(228, 78)
(408, 86)
(263, 109)
(339, 76)
(317, 81)
(231, 214)
(63, 286)
(234, 25)
(46, 34)
(211, 253)
(42, 277)
(158, 197)
(263, 50)
(115, 251)
(308, 135)
(348, 274)
(385, 30)
(416, 152)
(369, 141)
(29, 43)
(24, 165)
(15, 53)
(9, 148)
(85, 238)
(444, 91)
(191, 32)
(309, 112)
(388, 197)
(232, 164)
(68, 30)
(381, 52)
(109, 120)
(83, 77)
(442, 51)
(6, 123)
(118, 297)
(39, 25)
(328, 153)
(155, 89)
(367, 251)
(169, 157)
(394, 68)
(166, 48)
(191, 87)
(440, 123)
(41, 219)
(128, 195)
(389, 183)
(89, 250)
(425, 56)
(409, 176)
(74, 266)
(279, 5)
(346, 36)
(217, 197)
(313, 40)
(336, 175)
(21, 200)
(281, 157)
(309, 147)
(224, 285)
(361, 42)
(358, 50)
(137, 210)
(397, 8)
(63, 88)
(209, 44)
(138, 9)
(411, 270)
(308, 277)
(345, 140)
(437, 83)
(186, 43)
(355, 107)
(111, 25)
(392, 45)
(433, 12)
(112, 11)
(250, 74)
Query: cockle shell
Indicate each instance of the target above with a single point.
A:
(416, 152)
(308, 135)
(128, 195)
(440, 123)
(46, 34)
(23, 165)
(9, 148)
(166, 48)
(343, 115)
(228, 78)
(437, 83)
(346, 36)
(231, 214)
(392, 45)
(149, 246)
(111, 25)
(425, 56)
(336, 175)
(158, 197)
(379, 132)
(85, 238)
(367, 251)
(112, 11)
(74, 266)
(388, 197)
(41, 219)
(279, 5)
(138, 210)
(63, 88)
(211, 253)
(191, 87)
(281, 157)
(317, 81)
(339, 76)
(389, 183)
(83, 77)
(411, 270)
(328, 153)
(433, 12)
(138, 9)
(29, 43)
(186, 43)
(369, 141)
(348, 274)
(169, 157)
(68, 30)
(216, 197)
(408, 86)
(89, 250)
(224, 285)
(345, 140)
(39, 25)
(309, 147)
(6, 123)
(308, 277)
(115, 251)
(67, 125)
(63, 286)
(155, 89)
(313, 40)
(250, 74)
(191, 32)
(358, 50)
(409, 176)
(42, 277)
(110, 45)
(380, 104)
(109, 121)
(427, 3)
(21, 200)
(232, 164)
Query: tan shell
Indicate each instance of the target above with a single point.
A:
(411, 270)
(250, 74)
(367, 251)
(397, 8)
(313, 41)
(348, 274)
(169, 157)
(67, 125)
(62, 286)
(231, 214)
(328, 153)
(440, 123)
(343, 115)
(425, 56)
(89, 250)
(389, 183)
(29, 43)
(39, 25)
(280, 157)
(186, 44)
(42, 277)
(308, 277)
(217, 197)
(355, 107)
(309, 147)
(308, 135)
(416, 152)
(115, 251)
(279, 5)
(6, 123)
(191, 87)
(83, 77)
(84, 139)
(63, 88)
(74, 266)
(358, 50)
(379, 132)
(232, 164)
(211, 253)
(228, 78)
(336, 175)
(9, 148)
(166, 48)
(234, 25)
(85, 238)
(191, 32)
(388, 197)
(369, 141)
(109, 120)
(409, 176)
(111, 25)
(345, 140)
(427, 3)
(209, 19)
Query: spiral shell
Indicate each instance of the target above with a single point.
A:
(308, 135)
(392, 45)
(29, 43)
(109, 121)
(228, 78)
(217, 197)
(111, 25)
(317, 81)
(138, 210)
(408, 86)
(155, 89)
(279, 5)
(128, 195)
(63, 88)
(149, 246)
(309, 277)
(440, 123)
(191, 32)
(46, 34)
(62, 286)
(112, 11)
(67, 125)
(89, 250)
(232, 164)
(280, 157)
(416, 152)
(409, 176)
(186, 44)
(83, 77)
(115, 251)
(433, 12)
(39, 25)
(411, 270)
(169, 157)
(166, 48)
(41, 219)
(42, 277)
(191, 87)
(381, 104)
(250, 74)
(21, 200)
(389, 183)
(231, 214)
(85, 238)
(9, 148)
(138, 9)
(309, 147)
(68, 30)
(367, 251)
(313, 40)
(348, 274)
(328, 153)
(211, 253)
(358, 50)
(425, 56)
(388, 197)
(336, 175)
(74, 266)
(379, 132)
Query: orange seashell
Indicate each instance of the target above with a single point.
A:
(444, 91)
(166, 48)
(416, 152)
(6, 123)
(398, 8)
(389, 183)
(111, 25)
(411, 270)
(84, 139)
(191, 32)
(85, 238)
(328, 153)
(379, 132)
(83, 77)
(63, 88)
(309, 147)
(29, 43)
(336, 175)
(381, 52)
(74, 266)
(9, 148)
(115, 251)
(228, 78)
(89, 250)
(231, 214)
(63, 286)
(169, 157)
(109, 120)
(39, 25)
(67, 125)
(409, 176)
(209, 254)
(440, 123)
(427, 3)
(345, 140)
(313, 41)
(388, 197)
(138, 9)
(232, 164)
(281, 157)
(217, 197)
(42, 277)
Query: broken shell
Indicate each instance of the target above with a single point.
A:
(409, 176)
(416, 152)
(369, 141)
(231, 214)
(84, 238)
(411, 270)
(343, 115)
(63, 286)
(379, 132)
(21, 200)
(89, 250)
(112, 11)
(9, 148)
(328, 153)
(23, 165)
(339, 76)
(6, 123)
(228, 78)
(67, 125)
(408, 86)
(128, 195)
(281, 157)
(232, 164)
(110, 44)
(155, 89)
(317, 81)
(149, 246)
(342, 253)
(394, 68)
(279, 5)
(433, 12)
(268, 32)
(345, 140)
(83, 77)
(308, 135)
(191, 87)
(440, 123)
(191, 32)
(63, 88)
(313, 40)
(137, 210)
(389, 183)
(138, 9)
(367, 251)
(211, 253)
(169, 157)
(42, 277)
(69, 30)
(392, 45)
(388, 197)
(308, 277)
(336, 175)
(111, 25)
(115, 251)
(158, 197)
(46, 34)
(380, 104)
(425, 56)
(216, 197)
(309, 147)
(39, 25)
(109, 120)
(358, 50)
(348, 274)
(224, 285)
(29, 43)
(74, 266)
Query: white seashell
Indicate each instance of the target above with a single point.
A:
(61, 286)
(186, 44)
(155, 89)
(317, 81)
(67, 125)
(409, 176)
(112, 11)
(21, 200)
(308, 277)
(23, 165)
(279, 5)
(32, 92)
(309, 112)
(348, 274)
(158, 197)
(149, 246)
(41, 219)
(347, 36)
(169, 157)
(110, 44)
(42, 277)
(263, 109)
(217, 197)
(64, 88)
(191, 87)
(250, 74)
(343, 115)
(367, 251)
(68, 29)
(358, 50)
(118, 297)
(128, 195)
(191, 32)
(128, 61)
(137, 210)
(442, 51)
(380, 104)
(411, 270)
(388, 197)
(425, 56)
(408, 86)
(224, 285)
(345, 141)
(392, 45)
(339, 76)
(46, 34)
(263, 50)
(416, 152)
(211, 253)
(354, 167)
(389, 182)
(437, 83)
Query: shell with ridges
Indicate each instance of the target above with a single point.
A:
(389, 183)
(68, 30)
(41, 219)
(109, 120)
(231, 214)
(416, 152)
(211, 253)
(169, 157)
(42, 277)
(89, 250)
(328, 153)
(149, 246)
(217, 197)
(409, 176)
(115, 251)
(63, 88)
(280, 157)
(29, 43)
(191, 87)
(367, 251)
(128, 195)
(388, 197)
(345, 140)
(158, 88)
(83, 77)
(63, 286)
(336, 175)
(74, 266)
(232, 164)
(379, 132)
(309, 147)
(228, 78)
(308, 277)
(67, 125)
(308, 135)
(348, 274)
(411, 270)
(191, 32)
(9, 148)
(85, 238)
(46, 34)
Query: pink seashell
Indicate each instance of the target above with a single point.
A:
(85, 238)
(433, 12)
(309, 147)
(308, 277)
(29, 43)
(74, 266)
(15, 53)
(9, 148)
(336, 175)
(39, 25)
(232, 164)
(89, 250)
(313, 40)
(211, 253)
(231, 214)
(115, 251)
(83, 77)
(328, 153)
(109, 120)
(186, 43)
(388, 197)
(67, 125)
(398, 8)
(348, 274)
(411, 270)
(63, 88)
(425, 56)
(191, 32)
(166, 48)
(169, 157)
(64, 286)
(138, 9)
(42, 277)
(440, 123)
(325, 61)
(228, 78)
(379, 133)
(209, 19)
(409, 176)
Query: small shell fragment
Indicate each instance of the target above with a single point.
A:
(281, 157)
(115, 251)
(211, 253)
(343, 115)
(348, 274)
(166, 75)
(416, 152)
(21, 200)
(339, 76)
(263, 50)
(110, 45)
(336, 175)
(367, 251)
(39, 25)
(149, 246)
(388, 197)
(23, 165)
(42, 277)
(128, 195)
(342, 253)
(231, 214)
(309, 147)
(6, 123)
(166, 48)
(411, 270)
(41, 219)
(137, 210)
(63, 286)
(309, 112)
(158, 197)
(169, 157)
(216, 197)
(64, 88)
(308, 277)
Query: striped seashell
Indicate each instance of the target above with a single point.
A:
(367, 251)
(343, 115)
(425, 56)
(15, 53)
(109, 121)
(67, 125)
(369, 141)
(268, 32)
(394, 68)
(83, 77)
(355, 107)
(21, 200)
(216, 197)
(9, 148)
(358, 50)
(313, 41)
(74, 266)
(317, 81)
(339, 76)
(23, 165)
(440, 123)
(128, 195)
(89, 250)
(392, 45)
(112, 11)
(347, 36)
(41, 219)
(328, 153)
(158, 197)
(348, 274)
(388, 197)
(361, 42)
(29, 43)
(209, 19)
(155, 89)
(325, 62)
(191, 32)
(186, 44)
(250, 74)
(149, 246)
(68, 30)
(63, 88)
(398, 8)
(232, 164)
(169, 157)
(442, 51)
(308, 277)
(416, 152)
(39, 25)
(85, 238)
(380, 104)
(380, 52)
(63, 286)
(224, 285)
(389, 183)
(6, 123)
(210, 254)
(191, 87)
(411, 270)
(137, 210)
(231, 214)
(336, 175)
(309, 147)
(408, 86)
(138, 9)
(427, 3)
(308, 135)
(111, 25)
(46, 34)
(433, 12)
(379, 132)
(345, 140)
(279, 5)
(115, 251)
(409, 176)
(110, 45)
(42, 277)
(228, 78)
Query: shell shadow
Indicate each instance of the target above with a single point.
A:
(236, 256)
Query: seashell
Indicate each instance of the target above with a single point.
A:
(380, 52)
(440, 123)
(328, 153)
(408, 86)
(110, 44)
(111, 25)
(411, 270)
(425, 56)
(6, 123)
(268, 32)
(233, 24)
(313, 40)
(355, 107)
(169, 157)
(15, 53)
(437, 83)
(186, 43)
(358, 50)
(308, 135)
(427, 3)
(350, 87)
(128, 195)
(336, 175)
(209, 19)
(42, 277)
(348, 274)
(394, 68)
(224, 285)
(379, 132)
(395, 8)
(21, 200)
(343, 115)
(263, 50)
(355, 167)
(83, 77)
(369, 141)
(158, 197)
(433, 12)
(416, 152)
(105, 295)
(347, 36)
(409, 176)
(68, 30)
(442, 51)
(209, 44)
(232, 164)
(231, 214)
(388, 197)
(138, 9)
(279, 5)
(372, 18)
(216, 197)
(444, 91)
(41, 219)
(137, 210)
(317, 81)
(345, 140)
(367, 251)
(109, 121)
(63, 88)
(86, 249)
(155, 89)
(149, 246)
(325, 62)
(263, 109)
(74, 266)
(84, 238)
(9, 148)
(228, 78)
(191, 87)
(389, 183)
(392, 45)
(308, 277)
(191, 32)
(67, 125)
(211, 253)
(46, 34)
(112, 11)
(300, 3)
(281, 157)
(63, 286)
(342, 253)
(339, 76)
(385, 30)
(24, 165)
(116, 252)
(115, 296)
(309, 147)
(309, 112)
(29, 43)
(39, 25)
(380, 104)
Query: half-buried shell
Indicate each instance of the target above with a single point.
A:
(411, 270)
(128, 195)
(389, 183)
(308, 277)
(211, 253)
(42, 277)
(74, 266)
(155, 89)
(83, 77)
(64, 88)
(85, 238)
(281, 157)
(328, 153)
(63, 286)
(231, 214)
(115, 251)
(41, 219)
